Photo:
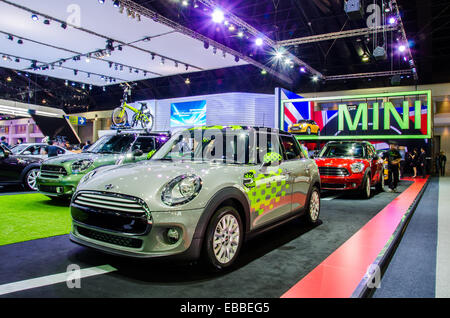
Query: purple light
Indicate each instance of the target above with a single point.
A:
(405, 59)
(392, 20)
(402, 48)
(302, 69)
(259, 41)
(218, 16)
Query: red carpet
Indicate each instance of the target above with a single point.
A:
(341, 272)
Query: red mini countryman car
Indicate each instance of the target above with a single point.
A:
(350, 165)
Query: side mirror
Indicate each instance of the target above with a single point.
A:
(137, 153)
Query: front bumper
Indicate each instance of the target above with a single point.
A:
(351, 182)
(62, 186)
(150, 243)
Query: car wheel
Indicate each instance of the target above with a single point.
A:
(223, 238)
(365, 188)
(30, 179)
(313, 207)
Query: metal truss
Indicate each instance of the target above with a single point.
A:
(195, 35)
(337, 35)
(364, 75)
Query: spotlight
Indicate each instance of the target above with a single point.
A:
(90, 87)
(315, 78)
(187, 81)
(231, 28)
(187, 67)
(47, 22)
(101, 1)
(365, 58)
(259, 41)
(206, 44)
(240, 33)
(279, 55)
(218, 16)
(392, 20)
(184, 3)
(19, 41)
(116, 3)
(110, 64)
(10, 37)
(75, 72)
(104, 88)
(263, 72)
(64, 25)
(153, 56)
(402, 48)
(176, 64)
(214, 50)
(162, 61)
(88, 59)
(236, 59)
(119, 47)
(303, 69)
(110, 45)
(195, 4)
(8, 79)
(34, 17)
(224, 54)
(17, 60)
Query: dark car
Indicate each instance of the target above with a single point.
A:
(18, 169)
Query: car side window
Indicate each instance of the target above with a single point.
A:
(291, 148)
(60, 151)
(267, 143)
(146, 144)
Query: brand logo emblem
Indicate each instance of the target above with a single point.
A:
(109, 186)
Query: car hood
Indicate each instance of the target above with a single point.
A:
(62, 159)
(137, 179)
(336, 162)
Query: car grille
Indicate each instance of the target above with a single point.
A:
(333, 186)
(53, 172)
(110, 202)
(110, 238)
(333, 171)
(46, 188)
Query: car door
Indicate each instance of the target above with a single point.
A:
(143, 143)
(11, 166)
(298, 168)
(270, 196)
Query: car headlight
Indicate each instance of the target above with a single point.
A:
(181, 190)
(88, 176)
(357, 167)
(81, 165)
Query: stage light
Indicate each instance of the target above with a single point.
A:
(392, 20)
(240, 34)
(315, 78)
(19, 41)
(259, 41)
(47, 22)
(236, 59)
(116, 3)
(231, 28)
(195, 4)
(214, 50)
(75, 72)
(34, 17)
(104, 88)
(365, 58)
(10, 37)
(287, 61)
(17, 60)
(88, 59)
(64, 25)
(153, 56)
(187, 81)
(303, 69)
(184, 3)
(402, 48)
(162, 61)
(8, 79)
(187, 67)
(218, 16)
(278, 55)
(206, 44)
(101, 1)
(176, 64)
(263, 72)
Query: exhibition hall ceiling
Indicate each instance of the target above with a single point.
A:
(70, 41)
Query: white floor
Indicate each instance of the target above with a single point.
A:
(443, 244)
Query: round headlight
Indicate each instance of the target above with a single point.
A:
(357, 167)
(181, 190)
(81, 165)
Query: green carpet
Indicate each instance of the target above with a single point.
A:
(27, 217)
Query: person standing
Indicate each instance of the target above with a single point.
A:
(422, 162)
(442, 162)
(415, 160)
(87, 145)
(52, 151)
(437, 164)
(3, 142)
(393, 156)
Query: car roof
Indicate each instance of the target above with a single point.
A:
(240, 127)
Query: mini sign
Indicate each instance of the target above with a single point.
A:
(405, 115)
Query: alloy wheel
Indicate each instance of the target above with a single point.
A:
(314, 206)
(226, 238)
(31, 179)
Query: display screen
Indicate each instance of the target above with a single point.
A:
(188, 114)
(405, 115)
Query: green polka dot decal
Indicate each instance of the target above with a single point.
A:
(272, 157)
(262, 194)
(151, 153)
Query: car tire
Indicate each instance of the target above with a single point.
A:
(312, 210)
(219, 238)
(30, 179)
(365, 190)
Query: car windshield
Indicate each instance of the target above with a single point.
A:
(18, 149)
(112, 144)
(352, 150)
(207, 145)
